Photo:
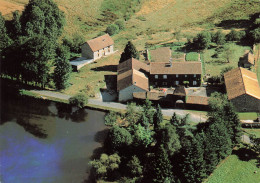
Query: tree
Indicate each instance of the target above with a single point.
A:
(112, 29)
(142, 136)
(162, 168)
(42, 17)
(62, 70)
(111, 118)
(74, 43)
(78, 100)
(35, 57)
(219, 38)
(133, 113)
(148, 111)
(192, 162)
(106, 164)
(135, 167)
(5, 41)
(129, 52)
(158, 118)
(120, 24)
(169, 138)
(228, 52)
(202, 40)
(233, 35)
(256, 35)
(16, 27)
(118, 138)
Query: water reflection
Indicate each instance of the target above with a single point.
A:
(42, 141)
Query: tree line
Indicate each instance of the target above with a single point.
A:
(30, 48)
(142, 147)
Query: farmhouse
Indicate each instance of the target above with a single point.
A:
(247, 60)
(243, 90)
(131, 79)
(174, 74)
(98, 47)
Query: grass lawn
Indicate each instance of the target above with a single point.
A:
(253, 131)
(192, 56)
(247, 115)
(234, 170)
(213, 66)
(92, 77)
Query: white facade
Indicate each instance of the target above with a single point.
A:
(127, 93)
(87, 52)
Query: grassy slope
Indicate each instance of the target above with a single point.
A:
(233, 170)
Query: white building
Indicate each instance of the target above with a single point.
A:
(98, 47)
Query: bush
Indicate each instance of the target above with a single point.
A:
(112, 29)
(111, 118)
(78, 100)
(120, 24)
(74, 43)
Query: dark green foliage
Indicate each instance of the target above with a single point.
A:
(105, 165)
(5, 41)
(129, 52)
(169, 138)
(193, 164)
(202, 40)
(42, 17)
(112, 29)
(134, 167)
(120, 24)
(78, 100)
(36, 53)
(118, 138)
(133, 113)
(63, 69)
(162, 168)
(148, 111)
(256, 35)
(111, 118)
(15, 29)
(234, 35)
(142, 136)
(158, 118)
(74, 43)
(219, 38)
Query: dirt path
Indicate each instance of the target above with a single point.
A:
(166, 112)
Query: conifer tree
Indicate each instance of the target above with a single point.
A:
(129, 52)
(158, 118)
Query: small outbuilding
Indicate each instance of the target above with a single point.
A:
(243, 90)
(98, 47)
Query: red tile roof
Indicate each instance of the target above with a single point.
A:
(132, 77)
(100, 42)
(176, 68)
(241, 81)
(132, 64)
(197, 100)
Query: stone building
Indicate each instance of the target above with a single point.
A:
(98, 47)
(243, 90)
(175, 73)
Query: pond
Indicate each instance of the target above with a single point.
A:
(42, 141)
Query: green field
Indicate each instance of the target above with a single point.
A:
(253, 131)
(192, 56)
(234, 170)
(247, 115)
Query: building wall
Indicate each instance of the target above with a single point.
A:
(105, 51)
(127, 93)
(246, 103)
(86, 51)
(171, 80)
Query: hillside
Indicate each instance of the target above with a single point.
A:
(152, 21)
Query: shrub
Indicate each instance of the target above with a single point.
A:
(78, 100)
(111, 118)
(74, 43)
(112, 29)
(120, 24)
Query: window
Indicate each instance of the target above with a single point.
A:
(156, 76)
(194, 75)
(177, 75)
(164, 83)
(185, 75)
(164, 76)
(176, 82)
(194, 83)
